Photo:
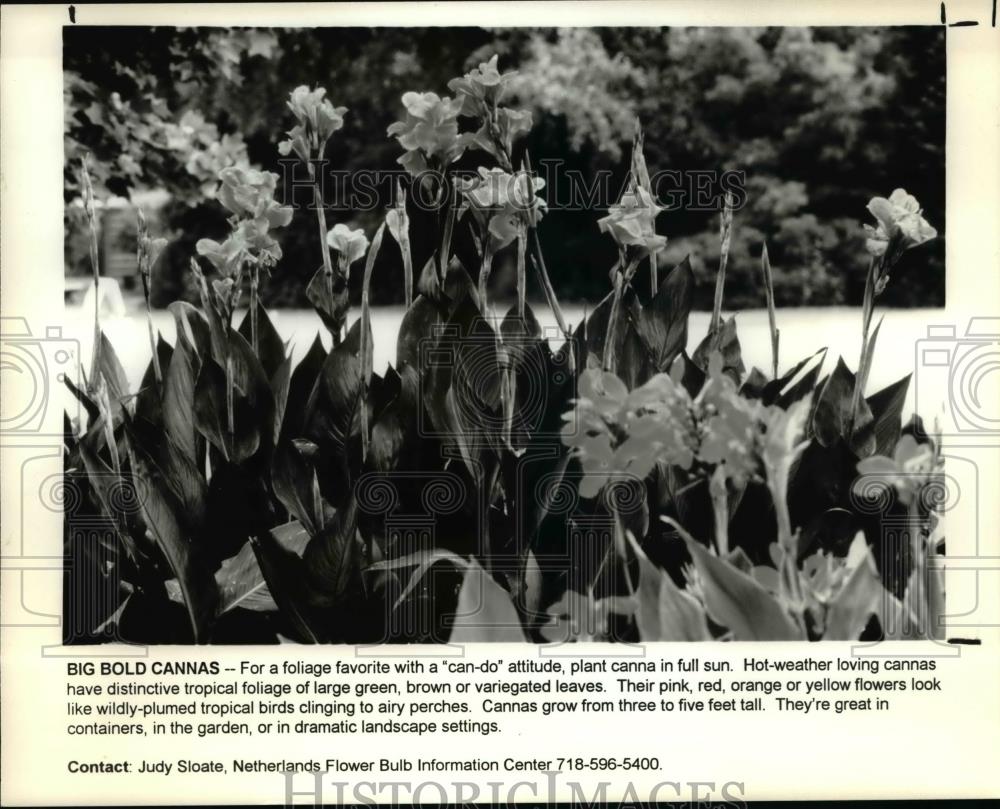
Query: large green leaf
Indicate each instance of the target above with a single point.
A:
(211, 415)
(485, 611)
(329, 299)
(149, 400)
(293, 476)
(887, 411)
(179, 398)
(665, 612)
(795, 383)
(333, 558)
(736, 601)
(832, 414)
(115, 493)
(193, 326)
(727, 343)
(241, 583)
(663, 322)
(855, 602)
(270, 346)
(333, 416)
(161, 513)
(300, 386)
(109, 368)
(284, 573)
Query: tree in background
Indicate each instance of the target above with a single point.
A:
(819, 120)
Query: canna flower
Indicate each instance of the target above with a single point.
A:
(317, 117)
(429, 132)
(349, 244)
(249, 194)
(632, 222)
(912, 467)
(479, 85)
(225, 257)
(506, 203)
(397, 220)
(149, 249)
(899, 223)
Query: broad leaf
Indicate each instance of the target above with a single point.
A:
(727, 343)
(663, 322)
(832, 415)
(179, 399)
(418, 328)
(855, 602)
(665, 611)
(887, 411)
(270, 348)
(293, 476)
(795, 383)
(332, 558)
(212, 420)
(241, 584)
(485, 611)
(284, 571)
(161, 514)
(333, 415)
(300, 386)
(736, 601)
(149, 400)
(110, 370)
(329, 299)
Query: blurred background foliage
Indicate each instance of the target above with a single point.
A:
(819, 120)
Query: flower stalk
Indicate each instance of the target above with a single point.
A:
(900, 227)
(90, 206)
(772, 320)
(366, 331)
(398, 223)
(622, 279)
(725, 235)
(147, 252)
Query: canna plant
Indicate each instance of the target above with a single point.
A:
(247, 498)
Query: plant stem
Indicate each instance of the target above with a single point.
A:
(621, 281)
(157, 371)
(550, 293)
(254, 281)
(93, 226)
(608, 363)
(725, 231)
(867, 309)
(521, 275)
(720, 509)
(230, 420)
(449, 227)
(484, 274)
(366, 348)
(407, 271)
(324, 248)
(765, 263)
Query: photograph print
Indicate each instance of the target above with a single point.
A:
(429, 335)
